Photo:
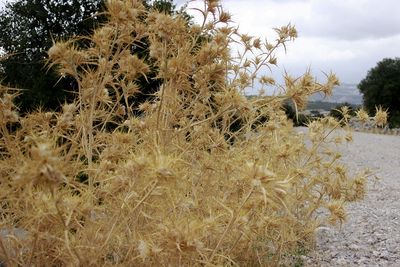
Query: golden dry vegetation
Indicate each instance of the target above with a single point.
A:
(203, 177)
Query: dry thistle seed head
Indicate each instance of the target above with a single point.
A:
(8, 111)
(257, 43)
(212, 5)
(66, 56)
(327, 88)
(307, 82)
(244, 80)
(357, 188)
(48, 174)
(7, 101)
(166, 27)
(245, 38)
(135, 124)
(380, 116)
(267, 80)
(333, 80)
(125, 12)
(362, 115)
(42, 152)
(132, 67)
(7, 116)
(337, 212)
(66, 52)
(330, 122)
(227, 31)
(43, 168)
(345, 110)
(287, 32)
(57, 51)
(130, 88)
(273, 60)
(147, 107)
(224, 17)
(115, 7)
(156, 51)
(120, 111)
(69, 108)
(221, 40)
(247, 63)
(269, 46)
(260, 172)
(103, 37)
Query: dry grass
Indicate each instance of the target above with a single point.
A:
(179, 185)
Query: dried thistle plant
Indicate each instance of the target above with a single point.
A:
(203, 177)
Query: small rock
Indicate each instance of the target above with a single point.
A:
(354, 247)
(375, 254)
(362, 261)
(384, 255)
(341, 261)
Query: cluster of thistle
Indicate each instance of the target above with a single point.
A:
(380, 119)
(203, 177)
(8, 111)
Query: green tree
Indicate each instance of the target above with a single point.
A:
(381, 87)
(299, 119)
(27, 31)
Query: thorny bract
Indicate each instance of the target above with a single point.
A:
(204, 176)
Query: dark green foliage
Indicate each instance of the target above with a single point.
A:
(314, 105)
(299, 120)
(289, 110)
(27, 31)
(381, 87)
(149, 84)
(165, 6)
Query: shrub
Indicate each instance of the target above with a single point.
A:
(381, 86)
(168, 187)
(298, 119)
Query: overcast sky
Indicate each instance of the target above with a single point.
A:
(347, 37)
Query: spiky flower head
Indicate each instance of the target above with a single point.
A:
(381, 116)
(362, 115)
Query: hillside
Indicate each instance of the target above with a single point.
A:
(343, 93)
(321, 105)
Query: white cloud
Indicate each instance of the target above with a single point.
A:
(347, 37)
(353, 19)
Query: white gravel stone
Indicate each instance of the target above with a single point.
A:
(371, 236)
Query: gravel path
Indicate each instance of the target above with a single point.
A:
(371, 235)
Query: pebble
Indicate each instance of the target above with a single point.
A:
(371, 236)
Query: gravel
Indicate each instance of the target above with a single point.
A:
(371, 235)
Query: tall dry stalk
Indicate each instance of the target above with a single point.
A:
(203, 177)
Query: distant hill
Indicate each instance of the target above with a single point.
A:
(321, 105)
(343, 93)
(318, 105)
